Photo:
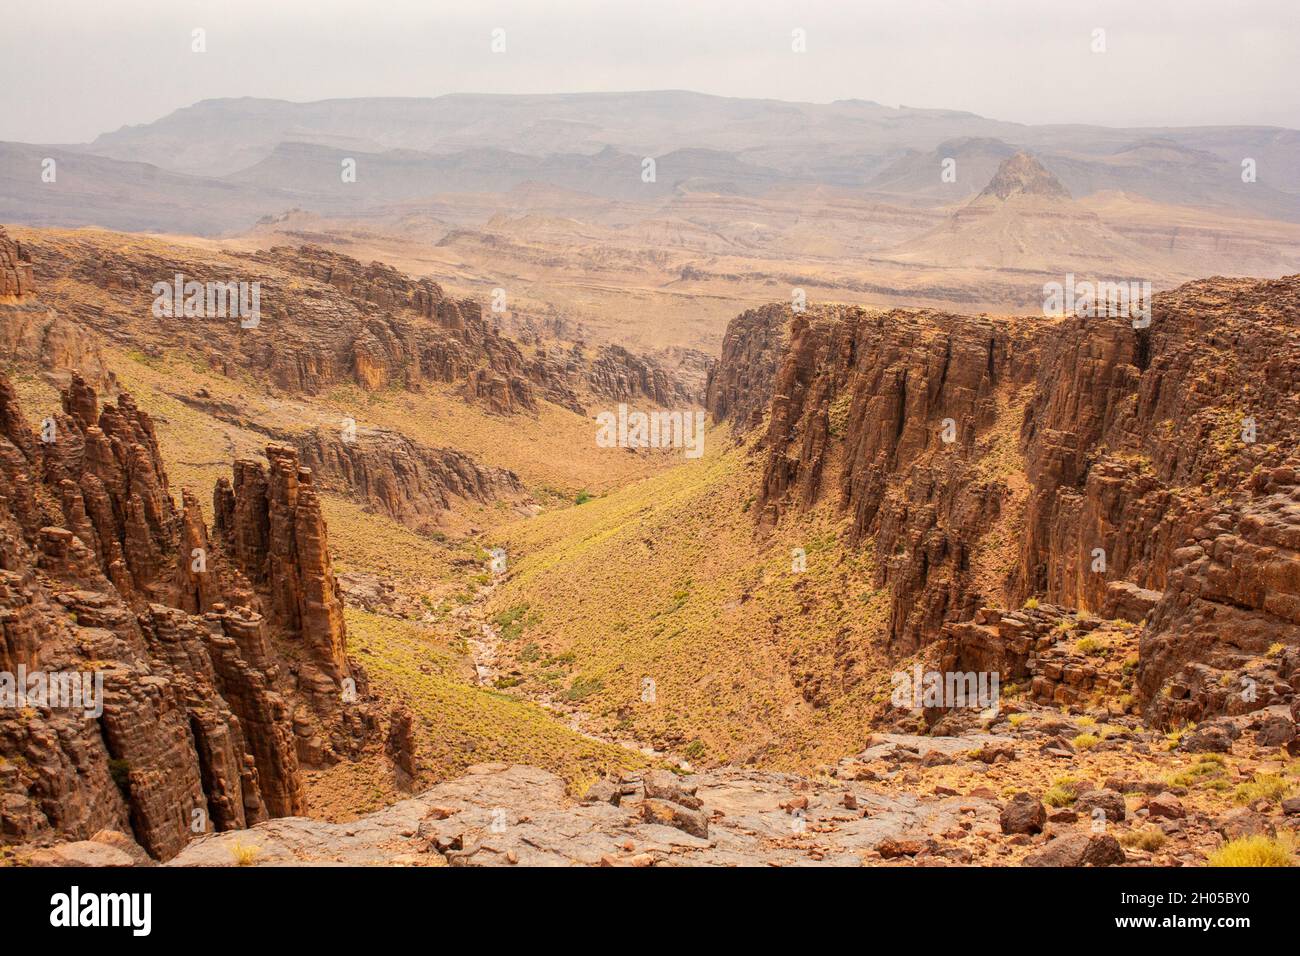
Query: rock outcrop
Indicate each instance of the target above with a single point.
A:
(410, 482)
(221, 657)
(33, 334)
(326, 319)
(1143, 472)
(899, 417)
(1022, 175)
(15, 270)
(740, 385)
(620, 376)
(499, 815)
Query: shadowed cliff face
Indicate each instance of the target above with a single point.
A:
(222, 655)
(1120, 471)
(901, 417)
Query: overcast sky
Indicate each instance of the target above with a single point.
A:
(71, 69)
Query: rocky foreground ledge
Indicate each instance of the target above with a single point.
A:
(1011, 796)
(500, 815)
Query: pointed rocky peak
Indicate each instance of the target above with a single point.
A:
(1022, 175)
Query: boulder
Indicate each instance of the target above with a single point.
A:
(1024, 814)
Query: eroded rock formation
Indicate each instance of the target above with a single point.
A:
(621, 376)
(327, 319)
(410, 482)
(222, 656)
(33, 334)
(1145, 473)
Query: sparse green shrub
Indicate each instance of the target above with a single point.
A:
(1149, 839)
(1264, 786)
(1252, 851)
(581, 689)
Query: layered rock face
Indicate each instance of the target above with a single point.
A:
(621, 376)
(1151, 475)
(469, 348)
(327, 319)
(1171, 453)
(33, 334)
(222, 657)
(739, 386)
(899, 416)
(410, 482)
(15, 270)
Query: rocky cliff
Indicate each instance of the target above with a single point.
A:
(222, 653)
(33, 334)
(621, 376)
(324, 319)
(1146, 473)
(404, 479)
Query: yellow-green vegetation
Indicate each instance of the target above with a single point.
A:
(363, 541)
(1015, 720)
(197, 448)
(666, 580)
(1086, 741)
(1263, 786)
(1206, 768)
(1063, 792)
(244, 854)
(553, 450)
(1252, 851)
(459, 724)
(512, 621)
(1089, 645)
(37, 396)
(1149, 839)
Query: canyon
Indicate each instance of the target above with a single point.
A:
(364, 586)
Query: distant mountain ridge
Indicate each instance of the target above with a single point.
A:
(219, 165)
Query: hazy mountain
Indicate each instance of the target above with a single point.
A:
(403, 174)
(846, 142)
(133, 196)
(1025, 219)
(919, 174)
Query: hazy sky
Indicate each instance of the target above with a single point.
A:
(70, 69)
